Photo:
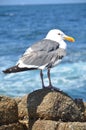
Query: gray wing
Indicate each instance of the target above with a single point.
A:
(45, 52)
(43, 45)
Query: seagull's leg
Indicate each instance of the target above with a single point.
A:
(41, 75)
(50, 84)
(48, 73)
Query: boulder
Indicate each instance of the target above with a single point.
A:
(53, 125)
(8, 110)
(25, 123)
(22, 110)
(80, 104)
(22, 107)
(72, 126)
(45, 125)
(13, 126)
(43, 109)
(53, 105)
(85, 109)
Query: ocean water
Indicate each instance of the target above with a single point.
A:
(21, 26)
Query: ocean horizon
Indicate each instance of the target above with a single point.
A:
(22, 26)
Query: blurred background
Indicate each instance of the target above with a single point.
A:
(22, 23)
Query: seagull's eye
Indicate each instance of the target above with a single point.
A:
(59, 34)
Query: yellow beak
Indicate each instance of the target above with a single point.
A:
(68, 38)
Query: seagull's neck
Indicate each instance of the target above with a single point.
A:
(63, 45)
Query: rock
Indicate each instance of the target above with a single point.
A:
(45, 125)
(80, 104)
(42, 109)
(14, 126)
(23, 111)
(85, 109)
(53, 125)
(25, 123)
(53, 105)
(85, 105)
(8, 110)
(72, 126)
(22, 108)
(61, 126)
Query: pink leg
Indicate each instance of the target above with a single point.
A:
(50, 84)
(41, 75)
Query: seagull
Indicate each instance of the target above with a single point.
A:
(44, 54)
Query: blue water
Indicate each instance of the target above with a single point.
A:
(21, 26)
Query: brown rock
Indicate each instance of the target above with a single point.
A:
(22, 107)
(85, 110)
(53, 105)
(53, 125)
(25, 123)
(61, 126)
(80, 104)
(14, 126)
(85, 105)
(72, 126)
(8, 110)
(45, 125)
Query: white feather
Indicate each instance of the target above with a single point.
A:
(54, 36)
(22, 65)
(28, 51)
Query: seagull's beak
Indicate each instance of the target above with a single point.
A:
(68, 38)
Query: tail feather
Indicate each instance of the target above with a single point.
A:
(15, 69)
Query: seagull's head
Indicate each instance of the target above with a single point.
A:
(58, 36)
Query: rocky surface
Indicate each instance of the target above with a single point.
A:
(22, 107)
(72, 126)
(45, 125)
(42, 109)
(13, 126)
(53, 105)
(8, 110)
(53, 125)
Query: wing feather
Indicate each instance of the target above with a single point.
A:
(44, 53)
